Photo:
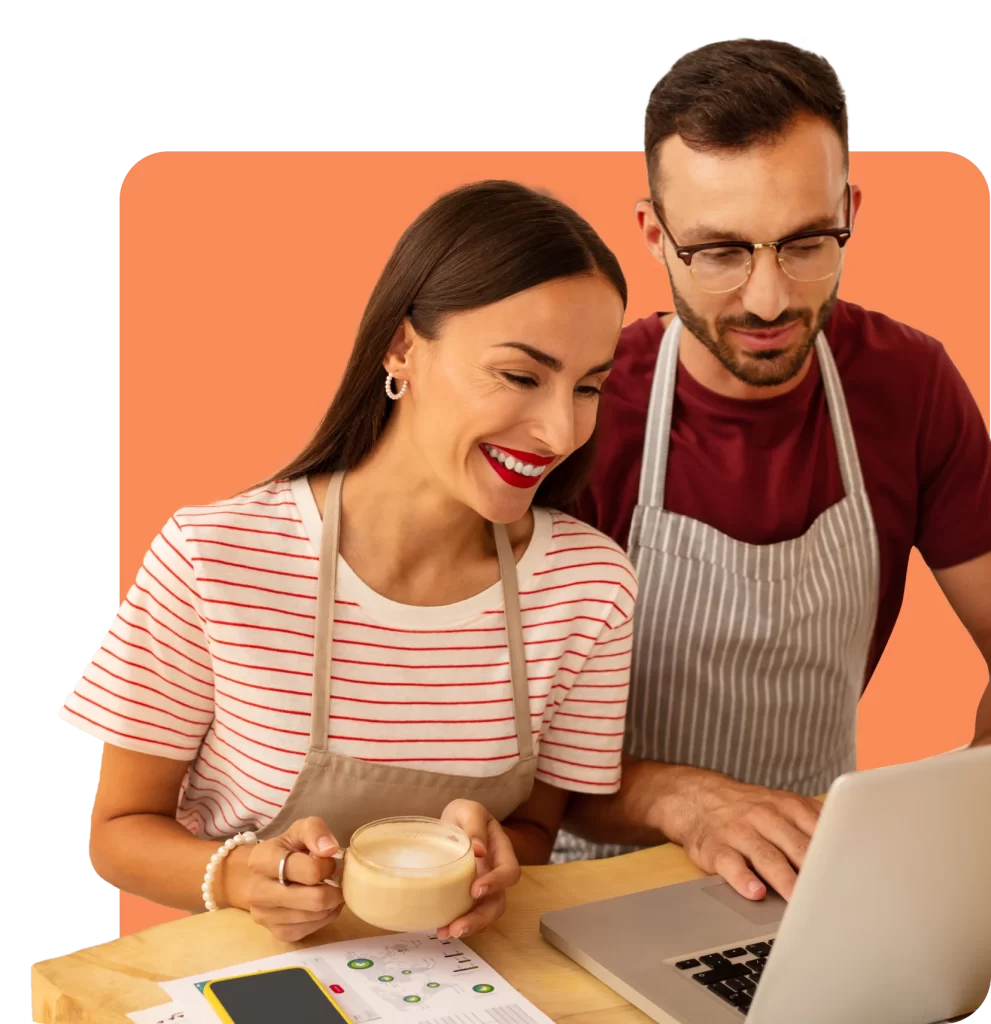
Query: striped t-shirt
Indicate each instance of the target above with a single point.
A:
(210, 660)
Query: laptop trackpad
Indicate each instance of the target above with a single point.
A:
(769, 910)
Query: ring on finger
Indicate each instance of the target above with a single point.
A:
(282, 867)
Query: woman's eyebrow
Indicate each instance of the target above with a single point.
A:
(544, 358)
(551, 362)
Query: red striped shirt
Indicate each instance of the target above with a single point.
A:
(210, 660)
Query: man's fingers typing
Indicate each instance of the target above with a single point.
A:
(803, 811)
(791, 840)
(732, 865)
(769, 863)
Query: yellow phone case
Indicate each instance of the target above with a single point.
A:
(226, 1017)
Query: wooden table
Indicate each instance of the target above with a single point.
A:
(101, 984)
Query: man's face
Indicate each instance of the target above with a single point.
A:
(761, 332)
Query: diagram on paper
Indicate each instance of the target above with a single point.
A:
(393, 979)
(412, 972)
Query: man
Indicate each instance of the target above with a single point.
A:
(770, 455)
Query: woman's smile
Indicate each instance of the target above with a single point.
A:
(520, 469)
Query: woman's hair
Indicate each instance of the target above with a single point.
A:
(473, 246)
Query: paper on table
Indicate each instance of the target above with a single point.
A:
(168, 1013)
(200, 1012)
(394, 979)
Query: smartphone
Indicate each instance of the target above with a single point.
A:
(270, 997)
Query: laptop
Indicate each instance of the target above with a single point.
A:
(889, 923)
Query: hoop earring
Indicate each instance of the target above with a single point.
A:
(388, 388)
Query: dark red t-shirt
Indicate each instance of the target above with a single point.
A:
(762, 471)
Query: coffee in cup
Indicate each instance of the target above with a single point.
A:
(408, 874)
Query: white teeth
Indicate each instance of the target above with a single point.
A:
(513, 463)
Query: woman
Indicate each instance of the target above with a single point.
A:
(324, 650)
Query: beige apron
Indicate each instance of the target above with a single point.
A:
(748, 659)
(348, 793)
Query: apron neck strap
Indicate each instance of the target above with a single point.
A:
(330, 543)
(330, 546)
(839, 418)
(653, 474)
(514, 636)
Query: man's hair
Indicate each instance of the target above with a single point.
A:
(740, 93)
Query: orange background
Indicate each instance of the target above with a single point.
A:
(243, 277)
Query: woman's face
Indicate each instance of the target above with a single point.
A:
(508, 391)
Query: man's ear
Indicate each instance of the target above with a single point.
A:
(856, 198)
(650, 227)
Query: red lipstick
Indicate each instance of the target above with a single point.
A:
(514, 463)
(534, 460)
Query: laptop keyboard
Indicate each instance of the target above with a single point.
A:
(732, 974)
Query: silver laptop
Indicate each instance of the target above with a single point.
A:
(890, 921)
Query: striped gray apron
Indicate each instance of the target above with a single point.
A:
(747, 659)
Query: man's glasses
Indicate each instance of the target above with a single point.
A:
(808, 256)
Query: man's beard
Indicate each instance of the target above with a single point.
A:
(767, 367)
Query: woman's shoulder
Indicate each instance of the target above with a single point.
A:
(573, 533)
(584, 556)
(271, 501)
(262, 522)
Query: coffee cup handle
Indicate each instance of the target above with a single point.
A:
(335, 879)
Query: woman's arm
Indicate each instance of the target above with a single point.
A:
(137, 845)
(532, 827)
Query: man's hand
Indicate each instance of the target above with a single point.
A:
(741, 831)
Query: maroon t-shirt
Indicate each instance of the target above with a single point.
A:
(762, 471)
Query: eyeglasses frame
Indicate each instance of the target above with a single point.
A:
(686, 252)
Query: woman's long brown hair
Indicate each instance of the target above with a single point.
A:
(473, 246)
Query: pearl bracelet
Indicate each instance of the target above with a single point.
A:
(241, 839)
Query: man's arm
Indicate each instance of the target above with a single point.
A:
(630, 816)
(953, 528)
(742, 831)
(968, 589)
(982, 730)
(726, 827)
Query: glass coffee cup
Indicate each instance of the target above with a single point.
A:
(408, 874)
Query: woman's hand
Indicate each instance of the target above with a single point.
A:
(291, 912)
(498, 869)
